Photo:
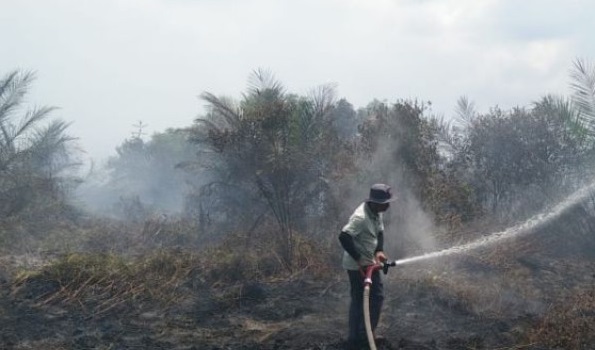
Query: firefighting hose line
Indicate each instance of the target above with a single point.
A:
(367, 283)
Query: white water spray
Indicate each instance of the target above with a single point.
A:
(525, 227)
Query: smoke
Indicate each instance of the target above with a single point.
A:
(408, 228)
(91, 194)
(412, 227)
(145, 178)
(529, 226)
(103, 194)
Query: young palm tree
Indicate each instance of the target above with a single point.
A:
(269, 149)
(30, 155)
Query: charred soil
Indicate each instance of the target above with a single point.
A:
(536, 292)
(426, 308)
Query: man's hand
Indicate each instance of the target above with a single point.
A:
(380, 257)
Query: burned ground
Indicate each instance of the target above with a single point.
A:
(535, 292)
(421, 312)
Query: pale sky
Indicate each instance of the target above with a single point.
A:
(111, 63)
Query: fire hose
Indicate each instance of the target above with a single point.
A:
(367, 283)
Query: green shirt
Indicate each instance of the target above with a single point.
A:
(364, 227)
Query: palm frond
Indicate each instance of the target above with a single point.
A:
(446, 134)
(48, 150)
(264, 80)
(7, 80)
(31, 118)
(583, 84)
(52, 136)
(6, 141)
(13, 88)
(224, 108)
(307, 118)
(465, 111)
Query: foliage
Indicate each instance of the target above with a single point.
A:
(272, 150)
(583, 84)
(508, 153)
(345, 120)
(515, 162)
(103, 283)
(400, 143)
(33, 157)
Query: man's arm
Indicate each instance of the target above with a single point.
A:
(347, 244)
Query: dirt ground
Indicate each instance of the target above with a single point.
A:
(420, 313)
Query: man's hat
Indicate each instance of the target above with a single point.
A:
(380, 193)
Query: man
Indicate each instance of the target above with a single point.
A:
(362, 239)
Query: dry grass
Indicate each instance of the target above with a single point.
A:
(99, 283)
(162, 265)
(106, 282)
(569, 324)
(492, 297)
(548, 300)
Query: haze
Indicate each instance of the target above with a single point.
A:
(109, 64)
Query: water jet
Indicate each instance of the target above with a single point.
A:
(515, 231)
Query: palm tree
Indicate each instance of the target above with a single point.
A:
(269, 150)
(30, 155)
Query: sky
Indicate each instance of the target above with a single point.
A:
(108, 64)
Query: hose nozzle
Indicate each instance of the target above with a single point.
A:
(370, 269)
(388, 264)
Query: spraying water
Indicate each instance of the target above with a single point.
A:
(525, 227)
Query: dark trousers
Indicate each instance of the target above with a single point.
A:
(357, 330)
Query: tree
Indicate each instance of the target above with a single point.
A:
(400, 138)
(344, 119)
(272, 153)
(32, 157)
(512, 152)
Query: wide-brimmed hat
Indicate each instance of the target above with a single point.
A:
(380, 193)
